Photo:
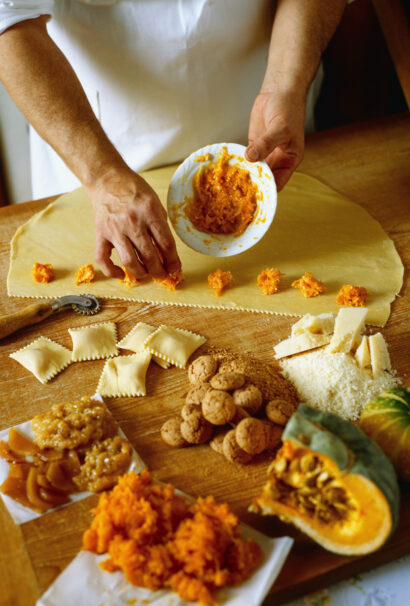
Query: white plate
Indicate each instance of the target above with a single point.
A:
(221, 245)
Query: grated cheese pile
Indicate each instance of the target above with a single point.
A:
(334, 382)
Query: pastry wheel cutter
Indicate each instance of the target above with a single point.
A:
(87, 305)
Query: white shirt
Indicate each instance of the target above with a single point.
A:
(164, 77)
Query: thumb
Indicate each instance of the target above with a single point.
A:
(262, 146)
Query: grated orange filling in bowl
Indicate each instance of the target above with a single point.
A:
(352, 296)
(225, 196)
(42, 272)
(309, 286)
(159, 540)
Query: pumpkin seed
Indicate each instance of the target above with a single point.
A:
(280, 465)
(307, 463)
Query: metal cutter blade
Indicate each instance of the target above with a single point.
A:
(87, 305)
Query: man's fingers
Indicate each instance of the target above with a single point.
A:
(102, 256)
(282, 176)
(149, 255)
(276, 134)
(282, 164)
(164, 240)
(129, 258)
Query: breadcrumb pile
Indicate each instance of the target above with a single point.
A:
(42, 272)
(309, 286)
(159, 540)
(269, 280)
(352, 296)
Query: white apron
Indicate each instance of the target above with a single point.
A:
(164, 77)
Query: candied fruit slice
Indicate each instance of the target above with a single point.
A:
(15, 488)
(33, 492)
(20, 444)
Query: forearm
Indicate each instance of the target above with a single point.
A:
(128, 214)
(45, 88)
(300, 33)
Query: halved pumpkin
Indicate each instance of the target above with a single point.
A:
(332, 482)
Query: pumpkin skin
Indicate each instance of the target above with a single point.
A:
(386, 419)
(364, 512)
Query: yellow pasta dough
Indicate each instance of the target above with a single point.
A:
(94, 342)
(175, 345)
(124, 376)
(315, 229)
(134, 341)
(44, 358)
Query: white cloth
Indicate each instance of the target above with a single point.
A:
(164, 77)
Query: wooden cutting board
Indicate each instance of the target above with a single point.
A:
(368, 163)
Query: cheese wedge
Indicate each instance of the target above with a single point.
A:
(362, 354)
(299, 343)
(348, 326)
(379, 354)
(321, 324)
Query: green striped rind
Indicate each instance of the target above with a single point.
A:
(343, 439)
(386, 419)
(393, 401)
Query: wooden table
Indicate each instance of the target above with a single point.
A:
(369, 163)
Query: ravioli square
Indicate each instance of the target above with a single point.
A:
(124, 376)
(175, 345)
(44, 358)
(135, 339)
(94, 342)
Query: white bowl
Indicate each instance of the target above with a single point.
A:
(221, 245)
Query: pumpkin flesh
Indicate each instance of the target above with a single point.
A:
(345, 513)
(334, 483)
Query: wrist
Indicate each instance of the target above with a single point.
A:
(112, 174)
(285, 83)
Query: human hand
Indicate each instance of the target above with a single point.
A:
(276, 133)
(129, 217)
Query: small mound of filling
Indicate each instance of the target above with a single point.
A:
(158, 540)
(224, 200)
(128, 279)
(352, 296)
(309, 286)
(303, 483)
(269, 280)
(172, 280)
(42, 272)
(219, 280)
(85, 274)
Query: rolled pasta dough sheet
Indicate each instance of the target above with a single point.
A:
(315, 229)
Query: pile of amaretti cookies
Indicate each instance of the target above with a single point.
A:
(236, 406)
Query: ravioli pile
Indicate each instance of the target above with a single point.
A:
(121, 375)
